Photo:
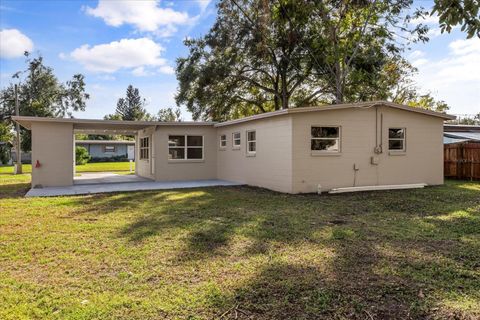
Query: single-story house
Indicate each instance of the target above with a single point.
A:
(101, 149)
(455, 133)
(295, 150)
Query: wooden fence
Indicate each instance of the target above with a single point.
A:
(462, 160)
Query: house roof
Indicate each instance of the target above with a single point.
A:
(460, 128)
(129, 127)
(463, 135)
(96, 126)
(337, 107)
(104, 142)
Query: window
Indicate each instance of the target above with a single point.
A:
(109, 149)
(251, 142)
(325, 139)
(236, 140)
(396, 139)
(223, 141)
(185, 147)
(144, 148)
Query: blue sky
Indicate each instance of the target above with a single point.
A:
(117, 43)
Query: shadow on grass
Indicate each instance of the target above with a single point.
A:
(13, 190)
(398, 254)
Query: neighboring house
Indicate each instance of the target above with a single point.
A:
(461, 151)
(101, 149)
(455, 133)
(26, 156)
(294, 150)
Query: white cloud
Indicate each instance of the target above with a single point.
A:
(13, 43)
(141, 72)
(428, 19)
(166, 70)
(203, 4)
(417, 54)
(455, 78)
(419, 62)
(123, 54)
(146, 16)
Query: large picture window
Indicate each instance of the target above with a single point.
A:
(185, 147)
(236, 140)
(396, 139)
(325, 139)
(144, 148)
(251, 142)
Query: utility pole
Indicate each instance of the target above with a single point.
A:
(18, 165)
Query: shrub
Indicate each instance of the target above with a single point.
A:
(109, 159)
(81, 155)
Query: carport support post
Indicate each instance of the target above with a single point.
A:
(18, 165)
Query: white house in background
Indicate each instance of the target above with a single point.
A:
(294, 151)
(107, 149)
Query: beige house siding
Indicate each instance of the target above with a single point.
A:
(170, 170)
(271, 167)
(52, 146)
(422, 161)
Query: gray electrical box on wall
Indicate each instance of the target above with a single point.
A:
(374, 160)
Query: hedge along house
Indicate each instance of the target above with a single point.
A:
(294, 150)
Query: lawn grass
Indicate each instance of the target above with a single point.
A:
(89, 167)
(240, 252)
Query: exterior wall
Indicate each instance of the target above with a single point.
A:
(271, 167)
(421, 163)
(145, 167)
(52, 146)
(171, 170)
(97, 150)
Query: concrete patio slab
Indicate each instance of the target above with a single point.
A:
(125, 186)
(106, 177)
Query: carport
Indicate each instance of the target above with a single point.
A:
(53, 149)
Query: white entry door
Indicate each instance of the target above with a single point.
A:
(131, 152)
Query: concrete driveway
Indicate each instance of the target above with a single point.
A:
(106, 177)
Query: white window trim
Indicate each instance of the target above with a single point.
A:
(222, 140)
(236, 146)
(404, 139)
(247, 143)
(326, 152)
(144, 148)
(186, 147)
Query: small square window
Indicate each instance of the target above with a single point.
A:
(223, 141)
(236, 140)
(109, 149)
(396, 139)
(251, 142)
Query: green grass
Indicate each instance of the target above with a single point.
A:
(89, 167)
(241, 253)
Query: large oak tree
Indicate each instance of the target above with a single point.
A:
(263, 55)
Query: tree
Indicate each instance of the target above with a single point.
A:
(454, 12)
(130, 108)
(6, 136)
(169, 115)
(81, 156)
(41, 94)
(261, 55)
